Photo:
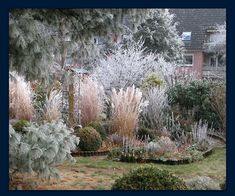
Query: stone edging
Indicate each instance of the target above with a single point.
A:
(90, 153)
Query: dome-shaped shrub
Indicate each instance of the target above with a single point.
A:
(99, 128)
(90, 139)
(149, 178)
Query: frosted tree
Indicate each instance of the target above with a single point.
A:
(125, 68)
(160, 35)
(217, 42)
(40, 148)
(39, 37)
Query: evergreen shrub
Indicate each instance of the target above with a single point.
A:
(149, 178)
(90, 139)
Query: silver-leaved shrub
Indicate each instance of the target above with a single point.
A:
(41, 148)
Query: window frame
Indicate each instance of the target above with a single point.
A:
(189, 65)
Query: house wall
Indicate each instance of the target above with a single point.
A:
(196, 67)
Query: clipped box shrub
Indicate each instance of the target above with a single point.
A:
(149, 178)
(99, 128)
(90, 139)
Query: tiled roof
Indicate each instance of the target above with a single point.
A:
(197, 21)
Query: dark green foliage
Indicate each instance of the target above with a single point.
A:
(195, 97)
(115, 153)
(223, 185)
(19, 126)
(144, 132)
(99, 128)
(90, 139)
(195, 154)
(149, 178)
(40, 37)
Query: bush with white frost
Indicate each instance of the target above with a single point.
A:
(126, 67)
(41, 148)
(154, 114)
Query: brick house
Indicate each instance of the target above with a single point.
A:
(195, 27)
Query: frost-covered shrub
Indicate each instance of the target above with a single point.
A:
(153, 147)
(154, 114)
(126, 67)
(92, 97)
(202, 183)
(20, 98)
(126, 107)
(41, 148)
(149, 178)
(167, 144)
(200, 132)
(217, 42)
(115, 139)
(90, 139)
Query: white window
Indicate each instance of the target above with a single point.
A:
(213, 61)
(186, 36)
(188, 59)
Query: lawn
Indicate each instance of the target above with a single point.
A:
(98, 173)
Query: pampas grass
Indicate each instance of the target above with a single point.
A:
(126, 106)
(52, 106)
(92, 95)
(20, 98)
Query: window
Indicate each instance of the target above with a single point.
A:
(186, 36)
(188, 59)
(213, 62)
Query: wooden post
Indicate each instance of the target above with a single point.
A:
(71, 105)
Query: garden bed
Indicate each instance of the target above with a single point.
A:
(169, 161)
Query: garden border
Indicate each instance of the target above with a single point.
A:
(174, 162)
(90, 153)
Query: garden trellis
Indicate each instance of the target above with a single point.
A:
(69, 110)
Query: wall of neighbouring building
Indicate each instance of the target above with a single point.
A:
(197, 65)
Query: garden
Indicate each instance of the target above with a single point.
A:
(92, 110)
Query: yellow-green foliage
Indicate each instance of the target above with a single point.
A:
(152, 81)
(90, 139)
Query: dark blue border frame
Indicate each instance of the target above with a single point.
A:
(6, 5)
